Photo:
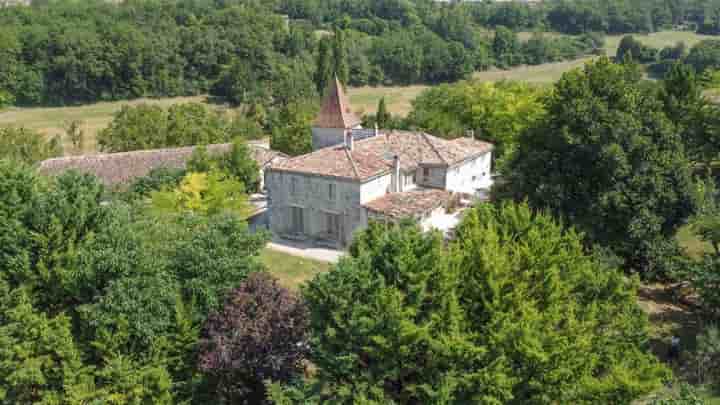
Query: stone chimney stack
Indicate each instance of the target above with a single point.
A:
(396, 173)
(349, 140)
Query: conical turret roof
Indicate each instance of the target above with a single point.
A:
(336, 111)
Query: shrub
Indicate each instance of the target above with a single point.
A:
(259, 335)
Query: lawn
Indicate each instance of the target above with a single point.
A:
(292, 271)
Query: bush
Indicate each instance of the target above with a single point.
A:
(158, 179)
(27, 146)
(259, 335)
(707, 356)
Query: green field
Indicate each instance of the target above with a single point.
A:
(292, 271)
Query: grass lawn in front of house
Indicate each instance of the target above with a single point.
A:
(292, 271)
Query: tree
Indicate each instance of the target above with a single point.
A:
(631, 49)
(25, 145)
(382, 117)
(39, 362)
(208, 193)
(607, 159)
(704, 55)
(152, 127)
(505, 46)
(497, 112)
(238, 164)
(6, 99)
(292, 132)
(490, 318)
(324, 66)
(340, 56)
(259, 335)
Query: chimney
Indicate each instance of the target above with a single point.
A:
(349, 140)
(471, 134)
(375, 130)
(396, 173)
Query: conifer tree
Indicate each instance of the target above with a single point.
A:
(514, 311)
(324, 65)
(382, 117)
(340, 57)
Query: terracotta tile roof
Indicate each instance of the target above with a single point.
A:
(410, 204)
(374, 156)
(336, 111)
(117, 169)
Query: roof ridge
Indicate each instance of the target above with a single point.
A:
(129, 153)
(352, 162)
(434, 148)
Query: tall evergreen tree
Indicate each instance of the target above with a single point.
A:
(325, 65)
(382, 117)
(340, 57)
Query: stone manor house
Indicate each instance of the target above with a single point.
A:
(352, 176)
(356, 175)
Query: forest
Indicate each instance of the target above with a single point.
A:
(64, 52)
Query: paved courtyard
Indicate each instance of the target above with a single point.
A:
(306, 250)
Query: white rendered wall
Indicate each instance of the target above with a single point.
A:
(471, 175)
(375, 188)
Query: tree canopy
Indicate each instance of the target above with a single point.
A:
(514, 311)
(608, 160)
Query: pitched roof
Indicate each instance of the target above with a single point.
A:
(374, 156)
(117, 169)
(336, 111)
(409, 204)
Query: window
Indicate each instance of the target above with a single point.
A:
(293, 186)
(298, 222)
(331, 192)
(426, 172)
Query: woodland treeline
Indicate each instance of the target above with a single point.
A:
(64, 52)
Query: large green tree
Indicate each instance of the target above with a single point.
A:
(497, 112)
(513, 312)
(607, 159)
(151, 127)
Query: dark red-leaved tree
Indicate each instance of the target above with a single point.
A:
(260, 334)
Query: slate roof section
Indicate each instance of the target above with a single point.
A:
(374, 156)
(336, 111)
(410, 204)
(120, 169)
